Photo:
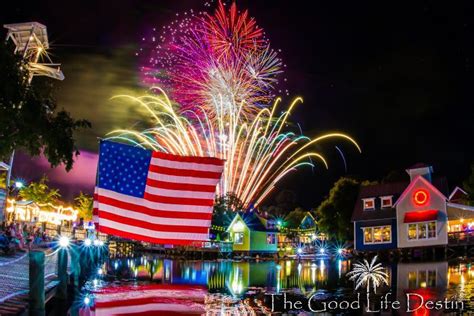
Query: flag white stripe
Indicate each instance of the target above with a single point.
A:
(179, 179)
(153, 219)
(180, 193)
(154, 205)
(152, 233)
(159, 162)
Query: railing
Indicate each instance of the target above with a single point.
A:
(461, 238)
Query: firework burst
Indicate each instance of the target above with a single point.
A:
(365, 273)
(204, 56)
(258, 153)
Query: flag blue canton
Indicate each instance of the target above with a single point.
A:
(123, 168)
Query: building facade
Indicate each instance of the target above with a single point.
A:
(412, 214)
(252, 234)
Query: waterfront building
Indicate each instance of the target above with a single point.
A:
(252, 234)
(406, 215)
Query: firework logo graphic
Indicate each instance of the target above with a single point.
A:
(364, 274)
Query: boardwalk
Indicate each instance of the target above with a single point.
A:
(14, 283)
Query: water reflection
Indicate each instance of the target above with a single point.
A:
(239, 280)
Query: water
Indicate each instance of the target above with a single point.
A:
(149, 283)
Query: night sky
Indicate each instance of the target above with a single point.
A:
(396, 76)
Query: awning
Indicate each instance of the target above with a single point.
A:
(421, 216)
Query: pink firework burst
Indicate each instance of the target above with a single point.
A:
(214, 60)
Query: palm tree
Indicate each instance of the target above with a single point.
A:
(365, 273)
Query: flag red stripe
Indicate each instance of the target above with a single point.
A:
(148, 300)
(180, 201)
(120, 233)
(152, 212)
(147, 225)
(201, 160)
(180, 186)
(185, 172)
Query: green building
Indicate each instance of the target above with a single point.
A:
(252, 234)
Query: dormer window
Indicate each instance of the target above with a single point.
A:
(386, 201)
(369, 204)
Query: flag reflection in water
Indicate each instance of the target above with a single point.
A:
(151, 299)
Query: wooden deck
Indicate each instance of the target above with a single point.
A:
(14, 282)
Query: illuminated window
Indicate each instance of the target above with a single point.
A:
(369, 204)
(420, 231)
(432, 230)
(412, 231)
(271, 239)
(367, 235)
(386, 234)
(378, 234)
(386, 201)
(238, 238)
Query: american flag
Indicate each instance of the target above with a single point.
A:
(152, 299)
(153, 196)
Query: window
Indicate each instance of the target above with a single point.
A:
(377, 235)
(369, 204)
(238, 238)
(271, 239)
(412, 231)
(386, 201)
(423, 230)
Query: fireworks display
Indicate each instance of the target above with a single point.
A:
(204, 56)
(258, 153)
(221, 73)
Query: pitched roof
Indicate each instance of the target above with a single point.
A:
(253, 221)
(457, 194)
(386, 189)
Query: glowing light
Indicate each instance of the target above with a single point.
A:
(101, 243)
(340, 251)
(63, 241)
(87, 242)
(49, 213)
(299, 250)
(96, 242)
(95, 282)
(19, 184)
(238, 226)
(420, 197)
(87, 300)
(322, 251)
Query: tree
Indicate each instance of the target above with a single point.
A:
(334, 213)
(39, 192)
(294, 218)
(469, 186)
(29, 117)
(84, 204)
